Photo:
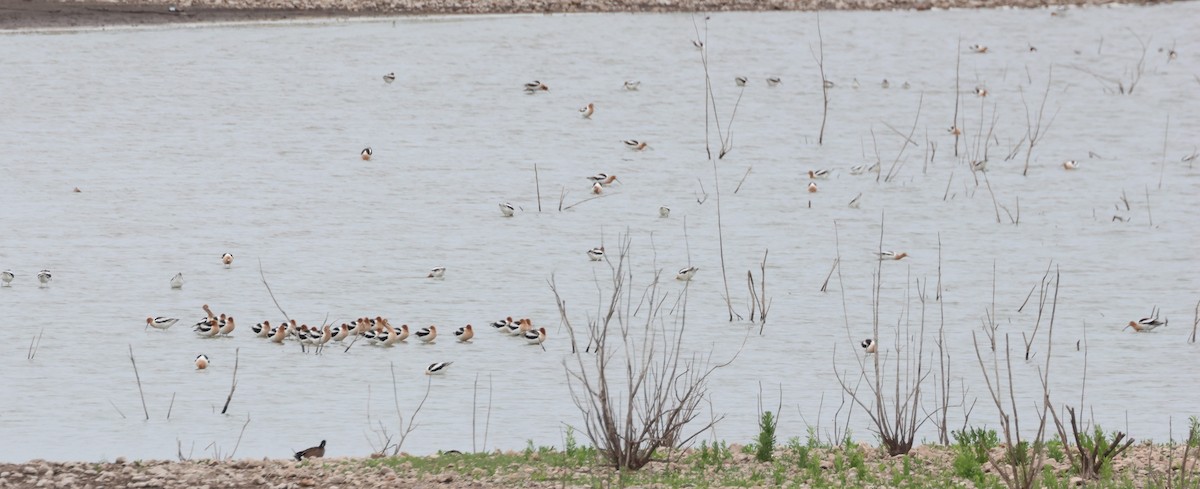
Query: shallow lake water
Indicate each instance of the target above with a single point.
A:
(186, 143)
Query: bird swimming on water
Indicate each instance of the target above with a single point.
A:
(390, 77)
(44, 277)
(366, 153)
(201, 361)
(7, 277)
(588, 110)
(632, 85)
(635, 144)
(437, 272)
(686, 274)
(535, 87)
(177, 281)
(227, 259)
(740, 81)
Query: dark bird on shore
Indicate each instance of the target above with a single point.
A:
(314, 452)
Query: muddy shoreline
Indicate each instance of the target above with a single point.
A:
(54, 14)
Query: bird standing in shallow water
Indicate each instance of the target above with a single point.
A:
(160, 322)
(635, 144)
(892, 255)
(437, 368)
(740, 81)
(812, 187)
(870, 346)
(632, 85)
(437, 272)
(366, 154)
(1146, 325)
(664, 211)
(536, 86)
(1070, 165)
(427, 335)
(536, 337)
(597, 188)
(686, 274)
(44, 277)
(390, 77)
(596, 254)
(588, 110)
(227, 259)
(773, 81)
(201, 362)
(7, 277)
(465, 333)
(314, 452)
(507, 210)
(979, 48)
(177, 281)
(856, 201)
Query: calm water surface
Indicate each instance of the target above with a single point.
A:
(191, 142)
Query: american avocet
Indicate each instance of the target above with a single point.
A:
(427, 335)
(390, 336)
(7, 277)
(740, 81)
(635, 144)
(980, 91)
(885, 84)
(664, 211)
(227, 259)
(979, 165)
(815, 174)
(978, 48)
(812, 187)
(341, 332)
(854, 84)
(44, 277)
(390, 77)
(228, 327)
(161, 322)
(632, 85)
(366, 153)
(905, 86)
(697, 44)
(507, 210)
(262, 330)
(201, 361)
(437, 368)
(314, 452)
(326, 335)
(1070, 165)
(856, 201)
(536, 86)
(403, 333)
(892, 255)
(773, 81)
(204, 328)
(597, 188)
(603, 179)
(208, 312)
(464, 334)
(588, 110)
(177, 281)
(827, 84)
(536, 337)
(686, 274)
(218, 326)
(502, 325)
(596, 254)
(1146, 325)
(437, 272)
(954, 130)
(521, 327)
(279, 333)
(858, 169)
(869, 345)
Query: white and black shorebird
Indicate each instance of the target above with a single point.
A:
(686, 274)
(177, 281)
(869, 345)
(1070, 165)
(160, 322)
(535, 87)
(437, 368)
(856, 201)
(1146, 325)
(632, 85)
(390, 77)
(7, 277)
(44, 277)
(773, 81)
(507, 210)
(740, 81)
(635, 144)
(437, 272)
(366, 153)
(427, 335)
(596, 254)
(201, 361)
(465, 333)
(227, 259)
(587, 110)
(664, 211)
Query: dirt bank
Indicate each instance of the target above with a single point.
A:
(19, 14)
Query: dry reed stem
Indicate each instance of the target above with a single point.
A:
(139, 384)
(233, 387)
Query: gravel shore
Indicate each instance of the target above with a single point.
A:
(35, 14)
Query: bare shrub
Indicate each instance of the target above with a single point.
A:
(638, 389)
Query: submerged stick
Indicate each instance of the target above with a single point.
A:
(537, 183)
(234, 386)
(171, 406)
(139, 383)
